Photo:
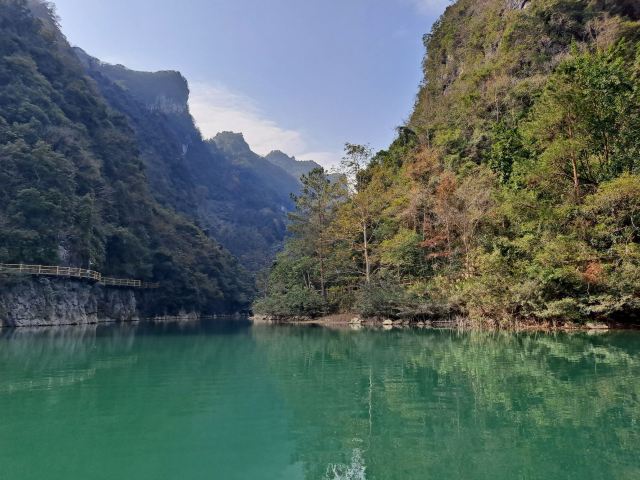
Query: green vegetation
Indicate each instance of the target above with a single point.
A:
(513, 192)
(298, 283)
(237, 196)
(74, 187)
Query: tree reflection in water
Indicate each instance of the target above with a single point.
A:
(224, 400)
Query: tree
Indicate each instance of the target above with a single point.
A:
(460, 205)
(310, 222)
(363, 210)
(507, 148)
(586, 122)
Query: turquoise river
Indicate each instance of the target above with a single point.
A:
(227, 400)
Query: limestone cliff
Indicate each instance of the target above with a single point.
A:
(27, 302)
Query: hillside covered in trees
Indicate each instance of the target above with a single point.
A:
(103, 167)
(513, 191)
(239, 197)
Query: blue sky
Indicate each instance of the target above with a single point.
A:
(302, 76)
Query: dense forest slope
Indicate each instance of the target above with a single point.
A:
(240, 198)
(75, 190)
(265, 178)
(513, 192)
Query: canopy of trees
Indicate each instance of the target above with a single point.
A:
(74, 189)
(513, 191)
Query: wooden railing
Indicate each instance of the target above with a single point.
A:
(121, 282)
(72, 272)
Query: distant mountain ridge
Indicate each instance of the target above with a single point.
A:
(239, 197)
(237, 150)
(104, 166)
(291, 165)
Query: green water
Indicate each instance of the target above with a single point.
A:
(227, 401)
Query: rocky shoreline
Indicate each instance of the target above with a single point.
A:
(44, 302)
(355, 321)
(47, 302)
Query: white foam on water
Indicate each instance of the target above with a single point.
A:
(354, 471)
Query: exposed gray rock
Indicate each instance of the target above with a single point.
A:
(517, 4)
(27, 302)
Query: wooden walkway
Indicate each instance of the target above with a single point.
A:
(71, 272)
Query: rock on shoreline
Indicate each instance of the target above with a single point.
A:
(355, 321)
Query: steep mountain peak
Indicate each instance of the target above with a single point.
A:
(279, 154)
(235, 147)
(233, 192)
(166, 91)
(231, 142)
(42, 10)
(295, 168)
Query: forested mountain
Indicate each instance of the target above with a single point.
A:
(78, 184)
(255, 170)
(236, 195)
(295, 168)
(513, 192)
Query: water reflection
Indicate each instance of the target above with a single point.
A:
(223, 400)
(461, 405)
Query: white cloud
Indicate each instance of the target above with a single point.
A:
(430, 7)
(217, 108)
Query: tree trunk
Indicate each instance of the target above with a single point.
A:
(367, 263)
(576, 181)
(322, 287)
(574, 167)
(321, 257)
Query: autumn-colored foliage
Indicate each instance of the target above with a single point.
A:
(513, 192)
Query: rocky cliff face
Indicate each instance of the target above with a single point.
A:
(44, 302)
(237, 196)
(166, 91)
(517, 4)
(488, 60)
